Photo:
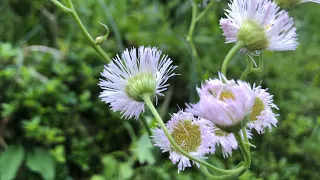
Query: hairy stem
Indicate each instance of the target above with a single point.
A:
(245, 151)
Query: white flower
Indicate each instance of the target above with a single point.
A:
(262, 116)
(133, 74)
(193, 135)
(259, 24)
(225, 104)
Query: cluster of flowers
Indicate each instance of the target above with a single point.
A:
(225, 106)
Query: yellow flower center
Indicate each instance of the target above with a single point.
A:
(220, 132)
(187, 136)
(257, 108)
(226, 95)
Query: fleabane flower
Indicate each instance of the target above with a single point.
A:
(262, 116)
(259, 25)
(137, 72)
(289, 3)
(193, 136)
(224, 102)
(225, 140)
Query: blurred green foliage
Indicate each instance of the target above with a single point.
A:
(56, 127)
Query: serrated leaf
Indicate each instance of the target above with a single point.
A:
(144, 150)
(10, 162)
(40, 160)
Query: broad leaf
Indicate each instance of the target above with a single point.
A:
(40, 160)
(10, 162)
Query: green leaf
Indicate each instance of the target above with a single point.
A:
(125, 171)
(10, 162)
(40, 160)
(97, 177)
(143, 150)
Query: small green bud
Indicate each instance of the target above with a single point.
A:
(141, 84)
(287, 3)
(253, 35)
(100, 40)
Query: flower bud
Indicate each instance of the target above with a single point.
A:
(227, 105)
(253, 35)
(100, 40)
(141, 84)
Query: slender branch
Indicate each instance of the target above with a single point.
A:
(218, 177)
(205, 10)
(145, 124)
(194, 19)
(70, 9)
(244, 133)
(248, 69)
(149, 103)
(245, 151)
(190, 36)
(230, 56)
(61, 6)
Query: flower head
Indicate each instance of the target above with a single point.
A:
(226, 140)
(135, 73)
(288, 3)
(259, 24)
(262, 115)
(225, 104)
(192, 135)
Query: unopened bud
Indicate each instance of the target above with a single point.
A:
(253, 35)
(100, 40)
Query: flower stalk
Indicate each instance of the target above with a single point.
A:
(70, 9)
(230, 56)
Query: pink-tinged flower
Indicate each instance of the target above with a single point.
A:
(259, 24)
(262, 116)
(227, 104)
(135, 73)
(190, 133)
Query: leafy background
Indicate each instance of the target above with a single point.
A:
(54, 126)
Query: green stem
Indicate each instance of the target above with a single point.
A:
(204, 11)
(246, 139)
(210, 176)
(149, 103)
(190, 36)
(194, 19)
(70, 9)
(61, 6)
(245, 151)
(230, 56)
(145, 124)
(248, 69)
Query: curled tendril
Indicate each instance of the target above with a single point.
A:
(102, 39)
